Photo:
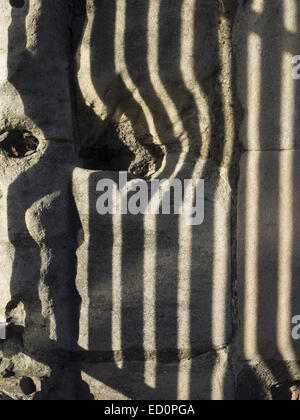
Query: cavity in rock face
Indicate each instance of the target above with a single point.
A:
(17, 3)
(119, 149)
(18, 144)
(27, 386)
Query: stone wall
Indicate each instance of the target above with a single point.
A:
(147, 306)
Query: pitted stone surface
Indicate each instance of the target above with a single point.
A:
(149, 67)
(34, 68)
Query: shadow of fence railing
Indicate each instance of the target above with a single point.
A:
(143, 304)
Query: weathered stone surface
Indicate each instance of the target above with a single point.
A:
(15, 363)
(269, 380)
(17, 389)
(79, 286)
(266, 38)
(34, 68)
(202, 378)
(150, 69)
(38, 244)
(142, 307)
(119, 267)
(153, 283)
(268, 254)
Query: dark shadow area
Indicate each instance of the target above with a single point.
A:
(18, 144)
(109, 155)
(62, 225)
(55, 211)
(17, 3)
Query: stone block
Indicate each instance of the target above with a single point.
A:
(268, 254)
(266, 38)
(153, 283)
(207, 377)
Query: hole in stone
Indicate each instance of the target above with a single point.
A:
(18, 144)
(108, 153)
(27, 386)
(281, 392)
(17, 3)
(118, 149)
(6, 368)
(8, 374)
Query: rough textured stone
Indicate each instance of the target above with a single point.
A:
(148, 68)
(34, 68)
(203, 378)
(268, 380)
(163, 285)
(38, 244)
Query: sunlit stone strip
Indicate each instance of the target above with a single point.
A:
(286, 202)
(252, 197)
(220, 284)
(254, 90)
(221, 274)
(82, 254)
(83, 257)
(219, 377)
(85, 72)
(5, 105)
(188, 74)
(290, 15)
(220, 271)
(285, 253)
(184, 296)
(216, 384)
(225, 57)
(5, 22)
(44, 295)
(184, 283)
(121, 66)
(161, 91)
(150, 254)
(258, 6)
(251, 255)
(7, 251)
(185, 231)
(117, 287)
(184, 379)
(287, 138)
(220, 263)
